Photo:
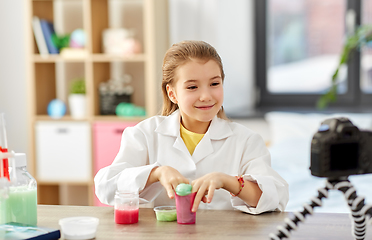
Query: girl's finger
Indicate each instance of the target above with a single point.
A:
(174, 186)
(210, 193)
(195, 186)
(178, 181)
(169, 190)
(198, 198)
(186, 181)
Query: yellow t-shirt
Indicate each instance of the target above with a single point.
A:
(190, 139)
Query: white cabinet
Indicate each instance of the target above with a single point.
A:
(63, 151)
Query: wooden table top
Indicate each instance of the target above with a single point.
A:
(210, 224)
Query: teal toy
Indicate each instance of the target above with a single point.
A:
(129, 110)
(183, 189)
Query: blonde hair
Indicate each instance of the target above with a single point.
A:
(176, 56)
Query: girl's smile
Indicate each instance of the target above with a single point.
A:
(205, 107)
(198, 92)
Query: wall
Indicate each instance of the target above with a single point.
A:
(13, 72)
(229, 27)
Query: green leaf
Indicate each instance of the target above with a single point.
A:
(61, 41)
(362, 35)
(77, 86)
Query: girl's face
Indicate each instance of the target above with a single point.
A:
(198, 91)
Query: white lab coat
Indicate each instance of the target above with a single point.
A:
(226, 147)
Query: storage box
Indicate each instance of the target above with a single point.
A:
(106, 144)
(63, 151)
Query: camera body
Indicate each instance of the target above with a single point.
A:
(340, 149)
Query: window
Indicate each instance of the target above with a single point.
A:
(366, 52)
(298, 47)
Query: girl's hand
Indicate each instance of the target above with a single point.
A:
(169, 178)
(206, 186)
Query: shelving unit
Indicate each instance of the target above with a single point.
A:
(50, 76)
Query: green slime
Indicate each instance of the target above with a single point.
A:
(183, 189)
(20, 206)
(166, 216)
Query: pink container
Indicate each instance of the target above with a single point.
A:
(183, 206)
(126, 216)
(106, 144)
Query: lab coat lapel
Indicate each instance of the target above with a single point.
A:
(171, 127)
(203, 149)
(180, 145)
(218, 130)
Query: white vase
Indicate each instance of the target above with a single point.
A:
(78, 106)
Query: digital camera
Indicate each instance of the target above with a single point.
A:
(340, 149)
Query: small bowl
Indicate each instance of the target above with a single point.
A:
(166, 213)
(79, 227)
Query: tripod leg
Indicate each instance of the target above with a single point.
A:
(291, 224)
(356, 204)
(358, 210)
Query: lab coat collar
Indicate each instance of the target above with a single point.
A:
(218, 129)
(170, 125)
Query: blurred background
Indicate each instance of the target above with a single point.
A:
(279, 57)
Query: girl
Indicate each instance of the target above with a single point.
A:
(229, 165)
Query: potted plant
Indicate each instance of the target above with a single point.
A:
(77, 99)
(361, 37)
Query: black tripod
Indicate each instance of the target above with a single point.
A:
(360, 212)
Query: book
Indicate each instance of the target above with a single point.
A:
(19, 231)
(39, 37)
(48, 31)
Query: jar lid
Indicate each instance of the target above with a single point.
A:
(120, 192)
(20, 159)
(79, 227)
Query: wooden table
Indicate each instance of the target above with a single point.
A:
(210, 224)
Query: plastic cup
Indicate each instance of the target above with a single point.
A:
(183, 207)
(79, 227)
(166, 213)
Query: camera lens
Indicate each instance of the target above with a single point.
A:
(344, 156)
